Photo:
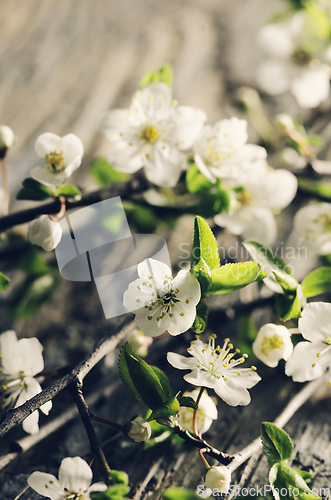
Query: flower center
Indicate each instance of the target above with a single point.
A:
(215, 155)
(324, 220)
(244, 197)
(55, 161)
(301, 58)
(150, 134)
(271, 343)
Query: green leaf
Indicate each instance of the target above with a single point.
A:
(304, 474)
(119, 477)
(69, 192)
(33, 264)
(316, 140)
(164, 381)
(27, 298)
(288, 283)
(317, 282)
(140, 378)
(270, 262)
(201, 318)
(166, 410)
(232, 277)
(288, 306)
(163, 74)
(204, 245)
(4, 282)
(141, 218)
(318, 188)
(195, 181)
(188, 402)
(277, 444)
(114, 492)
(212, 204)
(105, 174)
(202, 272)
(289, 483)
(179, 494)
(34, 190)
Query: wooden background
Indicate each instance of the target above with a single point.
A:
(62, 64)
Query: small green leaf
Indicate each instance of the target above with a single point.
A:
(201, 318)
(69, 192)
(28, 297)
(287, 282)
(164, 381)
(288, 306)
(34, 190)
(179, 494)
(202, 272)
(166, 410)
(232, 277)
(188, 402)
(119, 477)
(195, 181)
(277, 444)
(304, 474)
(163, 74)
(114, 492)
(317, 282)
(140, 378)
(4, 282)
(213, 203)
(204, 245)
(105, 174)
(318, 188)
(289, 484)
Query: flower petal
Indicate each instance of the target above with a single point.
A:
(97, 487)
(311, 86)
(75, 474)
(71, 146)
(46, 143)
(116, 125)
(189, 123)
(315, 321)
(29, 352)
(10, 363)
(47, 177)
(163, 166)
(30, 389)
(275, 40)
(261, 227)
(273, 76)
(46, 408)
(30, 424)
(46, 485)
(72, 167)
(232, 394)
(181, 362)
(188, 286)
(203, 168)
(125, 157)
(304, 364)
(155, 268)
(152, 327)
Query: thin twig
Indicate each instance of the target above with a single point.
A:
(106, 421)
(16, 416)
(195, 413)
(77, 393)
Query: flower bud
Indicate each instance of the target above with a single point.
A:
(218, 477)
(273, 342)
(140, 430)
(284, 124)
(45, 233)
(206, 413)
(139, 342)
(7, 140)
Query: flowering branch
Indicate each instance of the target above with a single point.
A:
(18, 415)
(136, 184)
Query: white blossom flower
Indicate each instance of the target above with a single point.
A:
(295, 62)
(313, 224)
(152, 134)
(221, 150)
(20, 361)
(218, 478)
(165, 304)
(206, 413)
(62, 155)
(74, 483)
(260, 192)
(272, 343)
(7, 139)
(216, 368)
(140, 430)
(45, 233)
(311, 359)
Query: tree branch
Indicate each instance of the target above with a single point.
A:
(16, 416)
(136, 184)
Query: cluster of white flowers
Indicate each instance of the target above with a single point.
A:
(217, 368)
(161, 303)
(20, 361)
(296, 61)
(75, 477)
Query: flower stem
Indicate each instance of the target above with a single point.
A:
(5, 185)
(62, 210)
(203, 458)
(102, 420)
(196, 411)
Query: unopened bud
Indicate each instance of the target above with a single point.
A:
(284, 124)
(7, 140)
(45, 233)
(139, 342)
(218, 477)
(139, 430)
